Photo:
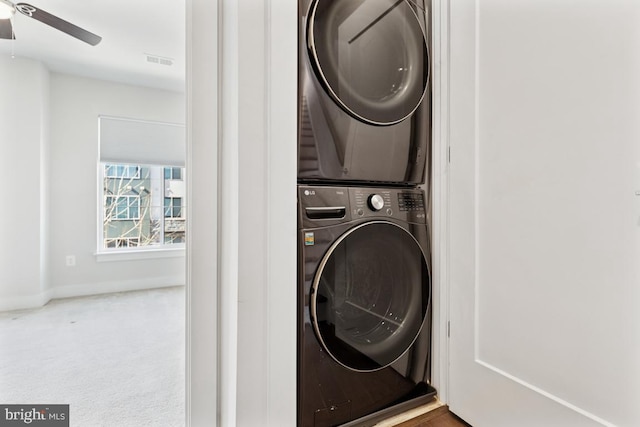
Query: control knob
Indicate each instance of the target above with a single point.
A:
(376, 202)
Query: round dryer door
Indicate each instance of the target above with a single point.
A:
(371, 56)
(370, 296)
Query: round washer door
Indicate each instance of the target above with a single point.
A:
(371, 56)
(370, 296)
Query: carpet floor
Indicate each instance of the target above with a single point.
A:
(116, 359)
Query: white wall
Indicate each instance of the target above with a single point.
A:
(23, 141)
(76, 104)
(203, 401)
(48, 168)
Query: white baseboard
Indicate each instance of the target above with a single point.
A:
(70, 291)
(25, 301)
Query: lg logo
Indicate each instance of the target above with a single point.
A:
(309, 193)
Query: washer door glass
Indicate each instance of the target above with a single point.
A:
(371, 56)
(370, 296)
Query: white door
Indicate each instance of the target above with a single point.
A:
(544, 260)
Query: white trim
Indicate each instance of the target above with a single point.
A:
(281, 28)
(70, 291)
(189, 273)
(228, 186)
(546, 394)
(202, 246)
(139, 254)
(24, 302)
(440, 197)
(476, 183)
(130, 119)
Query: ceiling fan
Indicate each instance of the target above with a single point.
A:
(8, 9)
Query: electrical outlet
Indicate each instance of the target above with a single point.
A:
(71, 260)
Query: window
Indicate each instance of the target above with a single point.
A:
(172, 207)
(173, 173)
(122, 171)
(122, 242)
(142, 192)
(142, 208)
(173, 238)
(122, 207)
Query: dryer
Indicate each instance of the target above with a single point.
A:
(364, 304)
(364, 97)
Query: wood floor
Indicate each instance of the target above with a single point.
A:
(439, 417)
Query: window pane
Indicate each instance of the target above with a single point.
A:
(134, 207)
(177, 207)
(121, 208)
(167, 207)
(173, 238)
(133, 172)
(122, 171)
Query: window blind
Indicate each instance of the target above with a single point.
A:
(143, 142)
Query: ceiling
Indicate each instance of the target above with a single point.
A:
(130, 31)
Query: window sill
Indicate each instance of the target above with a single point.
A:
(134, 255)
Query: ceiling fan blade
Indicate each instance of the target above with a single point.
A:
(58, 23)
(6, 30)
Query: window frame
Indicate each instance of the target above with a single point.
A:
(156, 250)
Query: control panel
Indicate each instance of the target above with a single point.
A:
(403, 204)
(410, 201)
(330, 205)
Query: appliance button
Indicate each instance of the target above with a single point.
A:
(376, 202)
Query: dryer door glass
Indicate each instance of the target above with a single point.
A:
(370, 296)
(371, 56)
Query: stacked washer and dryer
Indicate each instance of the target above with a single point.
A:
(364, 285)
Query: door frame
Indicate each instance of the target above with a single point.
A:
(237, 285)
(440, 157)
(211, 398)
(202, 332)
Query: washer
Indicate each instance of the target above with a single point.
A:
(364, 96)
(364, 304)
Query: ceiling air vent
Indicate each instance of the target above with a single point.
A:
(155, 59)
